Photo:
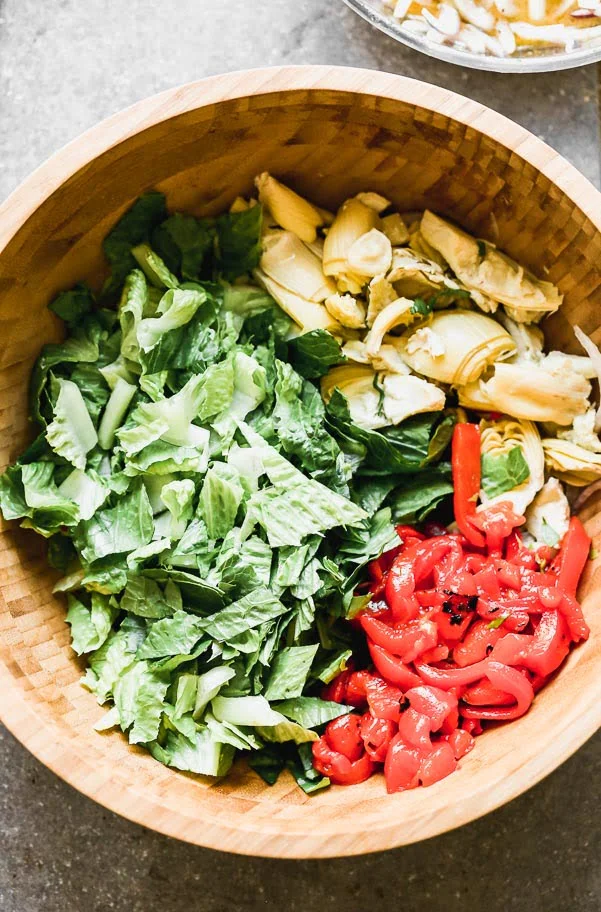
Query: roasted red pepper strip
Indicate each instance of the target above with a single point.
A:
(339, 768)
(465, 455)
(409, 641)
(445, 678)
(572, 558)
(343, 735)
(377, 735)
(410, 568)
(392, 668)
(511, 681)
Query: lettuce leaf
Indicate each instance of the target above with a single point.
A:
(239, 242)
(314, 353)
(124, 527)
(134, 227)
(184, 242)
(503, 471)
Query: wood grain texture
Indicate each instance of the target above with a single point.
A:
(330, 132)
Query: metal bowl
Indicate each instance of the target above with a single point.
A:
(542, 60)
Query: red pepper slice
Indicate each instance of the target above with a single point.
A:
(343, 736)
(409, 641)
(572, 557)
(383, 699)
(477, 643)
(401, 766)
(411, 567)
(465, 456)
(392, 668)
(461, 742)
(482, 693)
(415, 728)
(512, 681)
(339, 768)
(438, 764)
(432, 702)
(377, 735)
(446, 678)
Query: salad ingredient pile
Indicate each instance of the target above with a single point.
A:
(242, 444)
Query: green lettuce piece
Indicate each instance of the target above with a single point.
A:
(77, 349)
(268, 762)
(177, 307)
(124, 527)
(144, 597)
(172, 636)
(132, 308)
(298, 419)
(35, 495)
(242, 566)
(216, 390)
(239, 242)
(247, 300)
(184, 241)
(208, 686)
(401, 449)
(368, 540)
(332, 665)
(115, 412)
(286, 731)
(306, 776)
(289, 672)
(86, 489)
(314, 507)
(134, 227)
(314, 353)
(198, 595)
(71, 433)
(220, 498)
(202, 755)
(72, 305)
(311, 712)
(412, 503)
(249, 612)
(91, 626)
(503, 471)
(107, 577)
(178, 497)
(139, 695)
(245, 711)
(228, 733)
(153, 267)
(107, 665)
(370, 492)
(250, 387)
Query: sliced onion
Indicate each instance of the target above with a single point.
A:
(595, 356)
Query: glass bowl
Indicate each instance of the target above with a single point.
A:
(541, 60)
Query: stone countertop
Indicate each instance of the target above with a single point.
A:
(64, 65)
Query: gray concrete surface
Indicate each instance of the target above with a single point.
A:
(63, 66)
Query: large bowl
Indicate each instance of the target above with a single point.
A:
(539, 60)
(330, 132)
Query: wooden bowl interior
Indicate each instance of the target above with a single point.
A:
(329, 144)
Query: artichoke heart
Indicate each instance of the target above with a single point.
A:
(470, 342)
(287, 261)
(400, 311)
(291, 211)
(483, 268)
(395, 229)
(548, 516)
(498, 438)
(415, 276)
(583, 432)
(570, 462)
(307, 314)
(371, 254)
(353, 220)
(376, 400)
(529, 340)
(532, 392)
(380, 293)
(374, 200)
(347, 310)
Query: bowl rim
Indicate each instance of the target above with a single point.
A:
(537, 63)
(43, 737)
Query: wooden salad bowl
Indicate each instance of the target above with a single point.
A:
(329, 132)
